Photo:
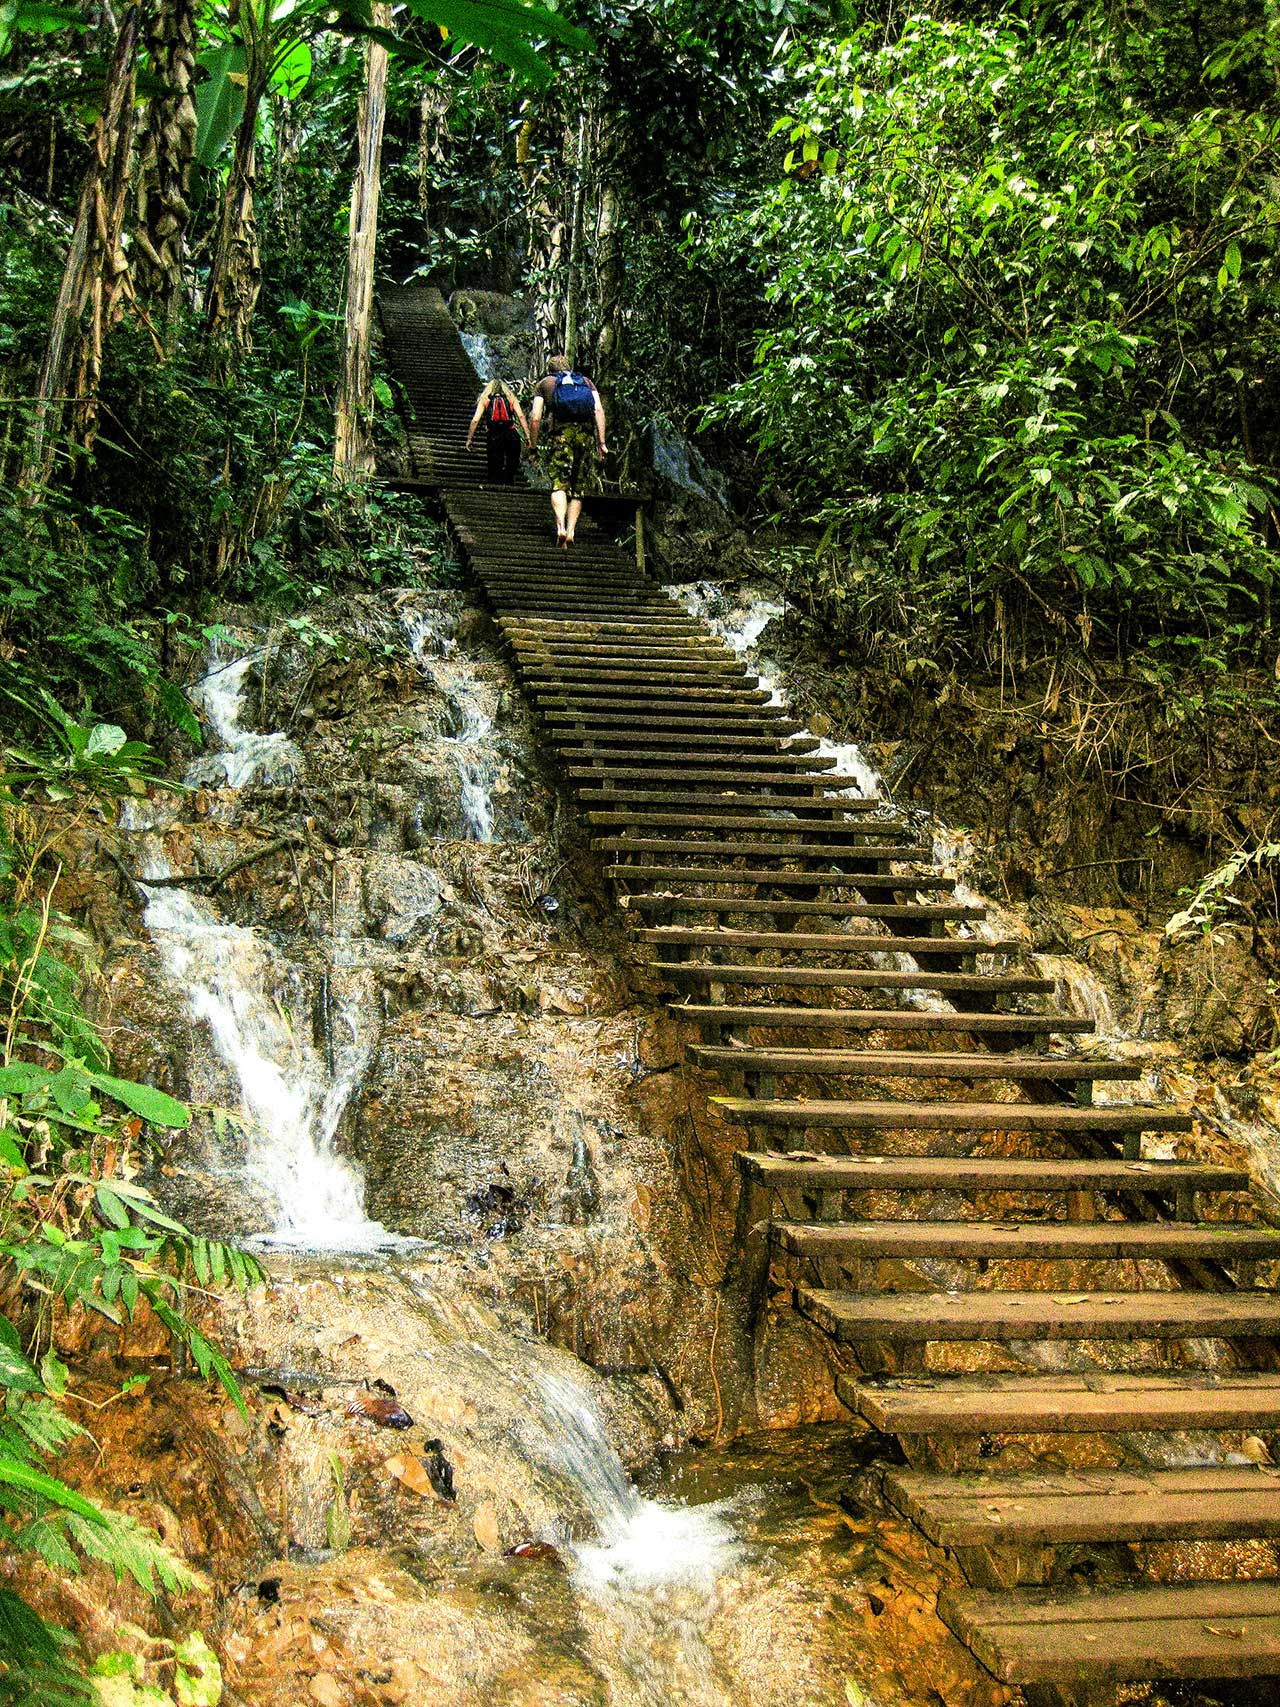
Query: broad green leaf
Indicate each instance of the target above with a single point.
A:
(153, 1105)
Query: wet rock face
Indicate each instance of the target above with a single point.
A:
(1214, 993)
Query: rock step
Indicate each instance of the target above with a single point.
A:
(831, 942)
(1045, 1241)
(755, 877)
(1060, 1635)
(796, 840)
(765, 1016)
(901, 1116)
(1092, 1403)
(1211, 1503)
(914, 1063)
(802, 1170)
(922, 1318)
(759, 818)
(849, 978)
(924, 912)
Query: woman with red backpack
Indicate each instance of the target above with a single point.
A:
(499, 409)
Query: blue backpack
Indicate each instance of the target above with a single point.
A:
(573, 400)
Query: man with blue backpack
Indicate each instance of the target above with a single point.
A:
(571, 406)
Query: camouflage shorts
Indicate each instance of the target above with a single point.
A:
(571, 461)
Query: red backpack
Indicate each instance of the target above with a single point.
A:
(499, 411)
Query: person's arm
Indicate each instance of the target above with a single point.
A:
(479, 415)
(601, 447)
(521, 420)
(535, 421)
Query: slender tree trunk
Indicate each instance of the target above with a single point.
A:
(546, 242)
(235, 272)
(433, 128)
(164, 166)
(573, 287)
(96, 271)
(610, 267)
(353, 445)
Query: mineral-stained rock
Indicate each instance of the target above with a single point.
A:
(1212, 992)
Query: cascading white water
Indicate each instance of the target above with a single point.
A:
(654, 1568)
(293, 1106)
(229, 974)
(477, 766)
(244, 756)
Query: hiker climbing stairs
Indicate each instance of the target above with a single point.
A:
(903, 1104)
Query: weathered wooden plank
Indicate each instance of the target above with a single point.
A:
(1218, 1630)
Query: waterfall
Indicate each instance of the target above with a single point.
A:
(477, 765)
(654, 1568)
(245, 756)
(293, 1101)
(293, 1105)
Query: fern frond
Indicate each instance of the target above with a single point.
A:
(131, 1549)
(36, 1663)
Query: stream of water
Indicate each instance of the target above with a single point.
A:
(456, 681)
(292, 1101)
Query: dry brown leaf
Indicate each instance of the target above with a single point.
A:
(412, 1472)
(484, 1526)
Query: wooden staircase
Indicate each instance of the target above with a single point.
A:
(880, 1073)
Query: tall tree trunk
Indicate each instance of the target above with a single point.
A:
(166, 151)
(433, 128)
(96, 272)
(573, 285)
(352, 443)
(610, 267)
(235, 272)
(546, 238)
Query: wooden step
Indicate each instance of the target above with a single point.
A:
(1047, 1241)
(1118, 1635)
(791, 844)
(725, 774)
(913, 1064)
(700, 802)
(901, 1116)
(1087, 1403)
(914, 912)
(637, 697)
(652, 746)
(765, 721)
(919, 1318)
(757, 877)
(1048, 1510)
(825, 942)
(850, 978)
(758, 820)
(802, 1170)
(767, 1015)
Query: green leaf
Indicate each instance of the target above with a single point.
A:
(219, 99)
(110, 1206)
(17, 1475)
(105, 740)
(153, 1105)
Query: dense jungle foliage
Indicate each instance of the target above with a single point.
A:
(976, 303)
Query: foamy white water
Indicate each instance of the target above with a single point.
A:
(477, 762)
(292, 1107)
(245, 756)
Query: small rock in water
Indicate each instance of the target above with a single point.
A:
(539, 1550)
(549, 905)
(582, 1187)
(439, 1470)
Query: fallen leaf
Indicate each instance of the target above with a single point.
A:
(1220, 1630)
(406, 1468)
(484, 1526)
